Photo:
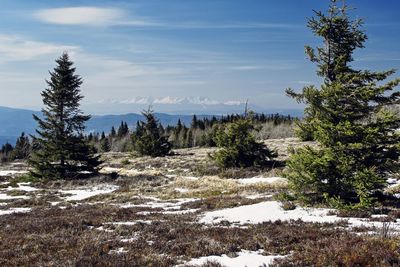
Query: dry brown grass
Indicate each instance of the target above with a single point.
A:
(69, 237)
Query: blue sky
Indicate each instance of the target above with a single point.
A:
(224, 50)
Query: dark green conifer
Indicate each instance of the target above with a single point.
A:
(62, 152)
(151, 142)
(238, 147)
(22, 148)
(349, 118)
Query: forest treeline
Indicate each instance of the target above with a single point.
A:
(200, 133)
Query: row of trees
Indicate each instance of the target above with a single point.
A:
(201, 132)
(21, 150)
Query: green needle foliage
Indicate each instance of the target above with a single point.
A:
(348, 116)
(60, 150)
(238, 147)
(149, 138)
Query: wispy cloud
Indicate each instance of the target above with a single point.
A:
(89, 16)
(170, 100)
(14, 48)
(98, 16)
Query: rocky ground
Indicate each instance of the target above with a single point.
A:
(181, 210)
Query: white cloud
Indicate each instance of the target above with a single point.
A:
(79, 15)
(88, 16)
(98, 16)
(14, 48)
(170, 100)
(233, 103)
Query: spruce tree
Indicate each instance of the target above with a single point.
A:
(105, 145)
(62, 151)
(151, 142)
(22, 148)
(238, 147)
(348, 116)
(113, 133)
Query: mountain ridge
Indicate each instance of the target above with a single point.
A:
(14, 121)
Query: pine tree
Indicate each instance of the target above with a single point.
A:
(123, 129)
(62, 152)
(194, 123)
(105, 145)
(238, 147)
(151, 142)
(22, 148)
(113, 133)
(349, 118)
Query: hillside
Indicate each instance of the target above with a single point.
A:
(180, 211)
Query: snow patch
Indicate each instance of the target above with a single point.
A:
(244, 258)
(165, 205)
(84, 193)
(181, 190)
(7, 197)
(176, 212)
(272, 211)
(256, 180)
(11, 172)
(14, 210)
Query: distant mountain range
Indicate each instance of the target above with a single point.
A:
(180, 105)
(15, 121)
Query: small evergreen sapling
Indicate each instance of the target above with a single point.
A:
(238, 147)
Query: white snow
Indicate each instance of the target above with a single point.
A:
(259, 196)
(131, 223)
(272, 211)
(158, 203)
(244, 258)
(118, 251)
(7, 197)
(393, 182)
(14, 210)
(176, 212)
(11, 172)
(181, 190)
(83, 193)
(192, 178)
(23, 187)
(256, 180)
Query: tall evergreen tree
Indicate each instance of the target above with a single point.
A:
(151, 142)
(62, 151)
(349, 118)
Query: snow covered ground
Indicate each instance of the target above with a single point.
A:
(11, 172)
(14, 210)
(84, 193)
(272, 211)
(244, 258)
(256, 180)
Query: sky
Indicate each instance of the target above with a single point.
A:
(215, 51)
